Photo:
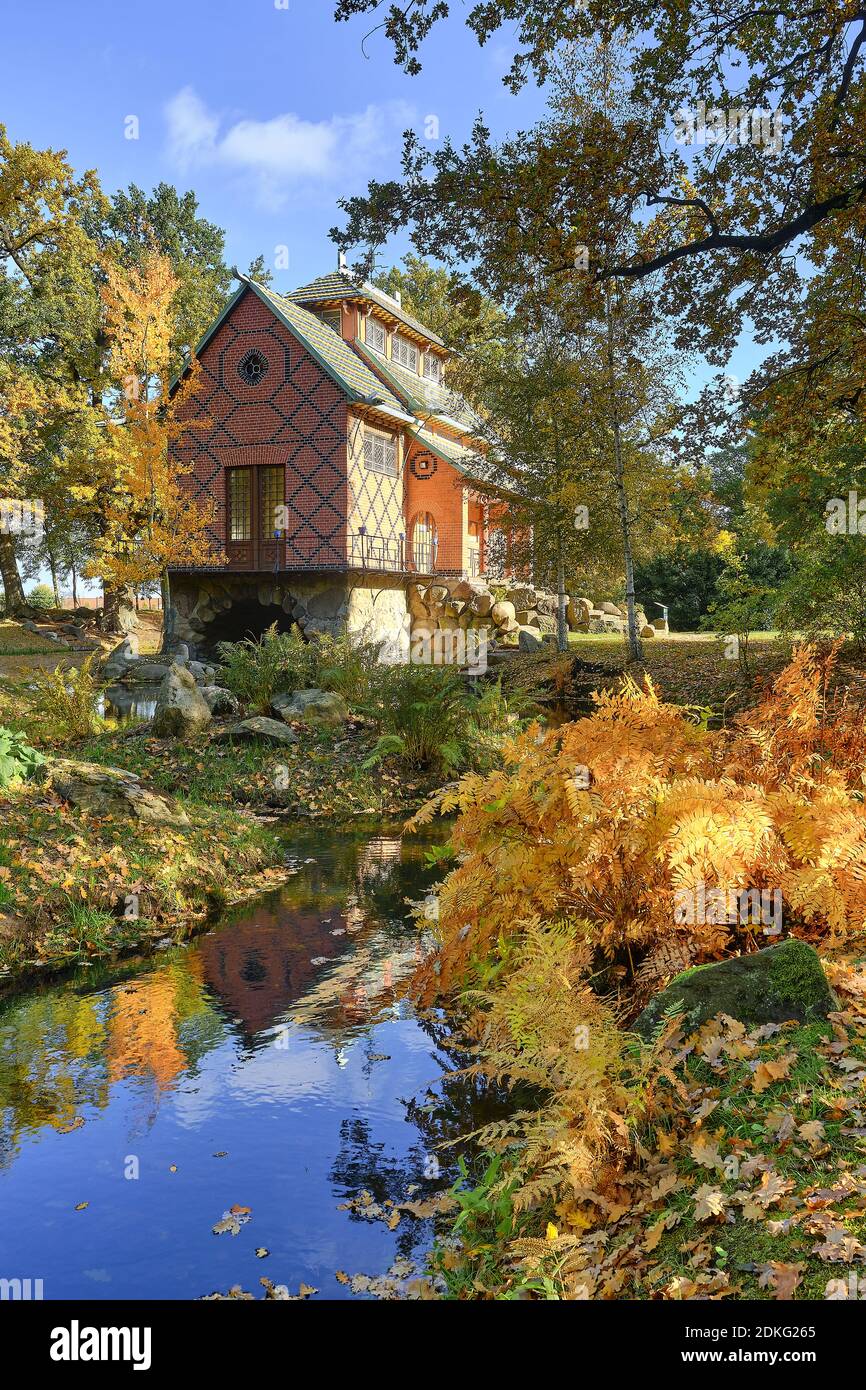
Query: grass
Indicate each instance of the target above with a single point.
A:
(74, 885)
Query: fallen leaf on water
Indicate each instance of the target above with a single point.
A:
(261, 1252)
(82, 1205)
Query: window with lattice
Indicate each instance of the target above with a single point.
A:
(404, 352)
(380, 453)
(252, 367)
(376, 335)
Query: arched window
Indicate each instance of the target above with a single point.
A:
(424, 543)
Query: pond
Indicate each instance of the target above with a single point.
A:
(269, 1064)
(127, 704)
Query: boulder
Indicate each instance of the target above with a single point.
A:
(647, 632)
(504, 613)
(312, 706)
(149, 672)
(258, 727)
(112, 791)
(611, 608)
(221, 702)
(467, 589)
(529, 639)
(522, 596)
(437, 593)
(120, 660)
(661, 628)
(180, 709)
(771, 986)
(547, 603)
(481, 603)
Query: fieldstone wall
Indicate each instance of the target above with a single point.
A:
(201, 610)
(384, 609)
(513, 615)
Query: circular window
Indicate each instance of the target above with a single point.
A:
(252, 367)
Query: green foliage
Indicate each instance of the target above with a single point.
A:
(421, 713)
(68, 698)
(18, 761)
(41, 596)
(259, 668)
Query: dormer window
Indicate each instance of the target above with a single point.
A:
(376, 335)
(432, 367)
(404, 352)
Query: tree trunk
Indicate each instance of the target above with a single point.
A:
(635, 650)
(118, 610)
(74, 586)
(561, 615)
(52, 565)
(12, 586)
(167, 614)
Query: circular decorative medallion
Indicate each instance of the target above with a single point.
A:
(423, 466)
(252, 367)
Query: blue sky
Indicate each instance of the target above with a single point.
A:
(268, 113)
(268, 110)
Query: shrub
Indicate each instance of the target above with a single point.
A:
(68, 698)
(18, 761)
(422, 712)
(41, 596)
(259, 668)
(573, 859)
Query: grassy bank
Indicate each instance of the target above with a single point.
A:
(744, 1180)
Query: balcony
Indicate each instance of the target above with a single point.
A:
(397, 555)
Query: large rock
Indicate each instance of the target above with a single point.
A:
(771, 986)
(548, 604)
(149, 672)
(180, 708)
(529, 639)
(503, 613)
(312, 706)
(258, 727)
(121, 659)
(522, 596)
(481, 603)
(613, 609)
(221, 702)
(112, 791)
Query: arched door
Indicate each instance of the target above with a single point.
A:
(424, 543)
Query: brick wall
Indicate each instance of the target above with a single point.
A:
(294, 417)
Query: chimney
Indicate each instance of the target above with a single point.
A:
(341, 262)
(398, 296)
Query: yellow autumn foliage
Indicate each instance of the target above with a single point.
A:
(574, 856)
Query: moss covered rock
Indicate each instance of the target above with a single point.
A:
(771, 986)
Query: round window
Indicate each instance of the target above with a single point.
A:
(252, 367)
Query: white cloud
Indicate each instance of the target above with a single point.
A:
(285, 150)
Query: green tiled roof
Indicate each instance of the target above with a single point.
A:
(447, 449)
(421, 395)
(338, 285)
(329, 349)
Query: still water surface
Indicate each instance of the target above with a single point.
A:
(268, 1064)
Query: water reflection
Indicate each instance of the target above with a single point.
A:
(271, 1062)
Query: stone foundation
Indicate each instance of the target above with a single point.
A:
(208, 609)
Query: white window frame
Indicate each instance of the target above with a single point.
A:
(380, 453)
(375, 325)
(411, 351)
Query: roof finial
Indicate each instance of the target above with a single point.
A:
(341, 262)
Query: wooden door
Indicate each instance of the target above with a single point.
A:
(253, 499)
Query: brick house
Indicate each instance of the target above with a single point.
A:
(339, 461)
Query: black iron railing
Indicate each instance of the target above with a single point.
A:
(368, 551)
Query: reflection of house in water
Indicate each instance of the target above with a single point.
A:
(378, 857)
(259, 966)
